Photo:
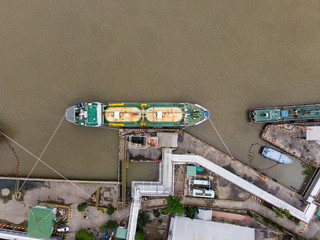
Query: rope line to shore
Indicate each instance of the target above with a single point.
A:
(47, 165)
(16, 170)
(220, 137)
(44, 149)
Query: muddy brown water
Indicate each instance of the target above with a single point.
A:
(228, 56)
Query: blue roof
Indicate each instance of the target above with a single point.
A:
(284, 113)
(199, 169)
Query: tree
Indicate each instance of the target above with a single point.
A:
(286, 212)
(174, 205)
(110, 210)
(191, 211)
(111, 224)
(156, 213)
(59, 222)
(143, 219)
(82, 206)
(103, 229)
(83, 234)
(139, 235)
(278, 213)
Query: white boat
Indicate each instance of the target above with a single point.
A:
(276, 156)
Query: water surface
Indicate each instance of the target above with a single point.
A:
(228, 56)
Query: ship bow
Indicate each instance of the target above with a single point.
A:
(70, 114)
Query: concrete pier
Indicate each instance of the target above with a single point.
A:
(190, 144)
(291, 139)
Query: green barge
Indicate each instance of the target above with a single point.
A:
(301, 113)
(134, 115)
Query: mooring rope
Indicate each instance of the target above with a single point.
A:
(44, 149)
(220, 137)
(16, 170)
(47, 165)
(251, 156)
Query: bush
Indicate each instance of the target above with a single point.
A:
(143, 219)
(156, 213)
(174, 205)
(111, 224)
(249, 214)
(139, 235)
(82, 206)
(59, 222)
(191, 211)
(278, 213)
(103, 229)
(163, 212)
(83, 234)
(268, 221)
(110, 210)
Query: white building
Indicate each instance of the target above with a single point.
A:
(188, 229)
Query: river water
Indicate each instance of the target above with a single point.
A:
(228, 56)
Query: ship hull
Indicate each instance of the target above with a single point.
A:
(276, 156)
(301, 113)
(137, 115)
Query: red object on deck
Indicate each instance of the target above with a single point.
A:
(150, 138)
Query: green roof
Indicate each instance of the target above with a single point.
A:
(318, 213)
(40, 222)
(92, 115)
(191, 171)
(121, 233)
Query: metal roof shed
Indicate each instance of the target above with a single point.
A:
(40, 221)
(169, 140)
(191, 171)
(121, 233)
(313, 133)
(187, 229)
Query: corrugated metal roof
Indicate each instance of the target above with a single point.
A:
(187, 229)
(121, 233)
(40, 222)
(191, 171)
(313, 133)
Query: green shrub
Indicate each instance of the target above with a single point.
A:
(111, 224)
(143, 219)
(83, 234)
(174, 205)
(110, 210)
(190, 211)
(249, 214)
(82, 206)
(156, 213)
(139, 235)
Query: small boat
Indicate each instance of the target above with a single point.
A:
(135, 115)
(276, 156)
(300, 113)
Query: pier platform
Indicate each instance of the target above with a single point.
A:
(190, 144)
(291, 139)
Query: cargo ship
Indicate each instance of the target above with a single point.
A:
(301, 113)
(276, 156)
(133, 115)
